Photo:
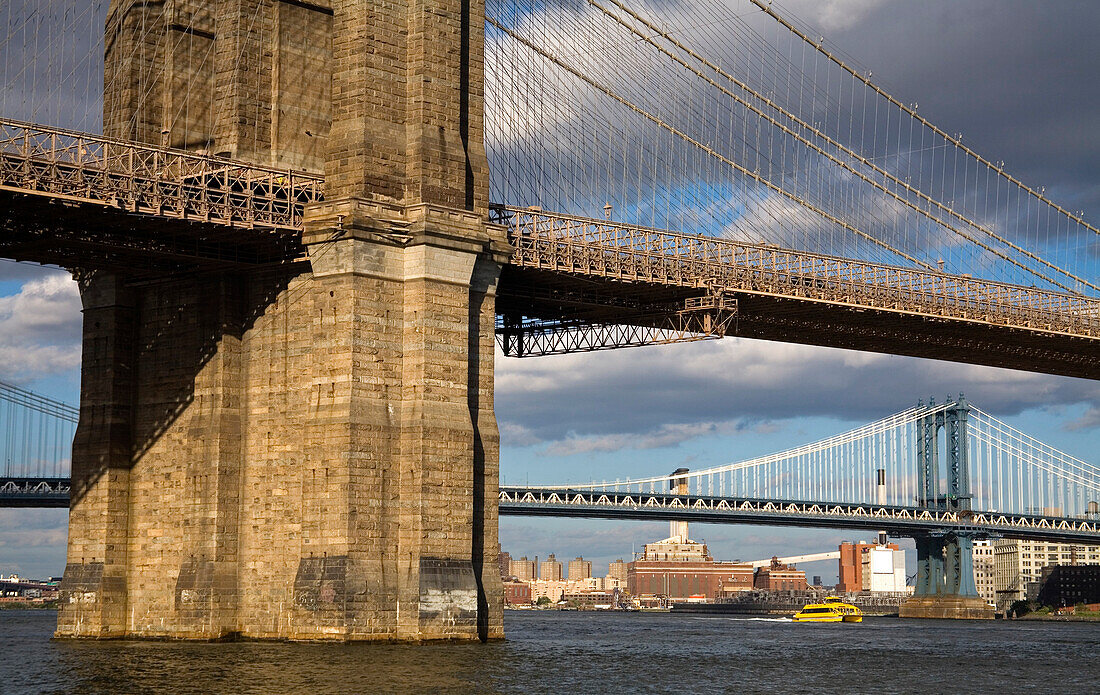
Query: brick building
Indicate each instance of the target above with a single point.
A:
(851, 578)
(678, 569)
(550, 570)
(524, 569)
(517, 593)
(1069, 585)
(618, 570)
(985, 570)
(779, 577)
(579, 569)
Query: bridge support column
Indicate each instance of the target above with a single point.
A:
(94, 593)
(406, 337)
(309, 454)
(945, 581)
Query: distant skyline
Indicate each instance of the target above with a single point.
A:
(1018, 79)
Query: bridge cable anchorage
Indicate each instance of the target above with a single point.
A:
(709, 150)
(839, 146)
(818, 46)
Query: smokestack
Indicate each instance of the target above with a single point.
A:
(678, 486)
(880, 490)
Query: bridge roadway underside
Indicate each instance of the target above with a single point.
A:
(75, 234)
(34, 492)
(551, 295)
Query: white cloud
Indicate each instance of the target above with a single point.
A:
(660, 396)
(40, 328)
(664, 436)
(833, 15)
(33, 541)
(1090, 420)
(515, 434)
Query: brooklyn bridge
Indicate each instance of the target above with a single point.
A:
(298, 228)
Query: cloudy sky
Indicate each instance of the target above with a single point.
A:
(1016, 78)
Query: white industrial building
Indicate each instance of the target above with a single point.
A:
(883, 569)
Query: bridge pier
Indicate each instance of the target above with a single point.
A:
(945, 581)
(945, 567)
(310, 454)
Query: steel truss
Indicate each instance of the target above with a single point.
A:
(696, 318)
(34, 492)
(634, 254)
(150, 180)
(903, 521)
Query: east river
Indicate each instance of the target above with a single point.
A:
(582, 653)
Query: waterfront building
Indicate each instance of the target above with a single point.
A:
(554, 589)
(779, 577)
(850, 571)
(16, 589)
(680, 569)
(590, 599)
(618, 570)
(737, 583)
(550, 569)
(1018, 565)
(524, 569)
(551, 589)
(882, 569)
(610, 583)
(985, 570)
(579, 569)
(505, 561)
(517, 593)
(1069, 585)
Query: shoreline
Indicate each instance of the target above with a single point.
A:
(1059, 618)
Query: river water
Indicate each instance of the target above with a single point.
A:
(581, 653)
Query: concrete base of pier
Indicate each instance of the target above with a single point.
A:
(947, 607)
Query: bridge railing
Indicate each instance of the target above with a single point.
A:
(152, 180)
(626, 252)
(900, 520)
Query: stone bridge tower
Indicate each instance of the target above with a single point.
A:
(306, 451)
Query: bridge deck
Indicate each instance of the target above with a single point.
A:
(574, 268)
(82, 200)
(899, 521)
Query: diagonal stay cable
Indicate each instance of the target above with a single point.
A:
(710, 151)
(845, 165)
(766, 7)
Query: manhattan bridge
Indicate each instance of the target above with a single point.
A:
(630, 173)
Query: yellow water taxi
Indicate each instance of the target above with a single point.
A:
(830, 610)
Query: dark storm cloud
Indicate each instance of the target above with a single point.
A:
(1018, 79)
(51, 54)
(14, 271)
